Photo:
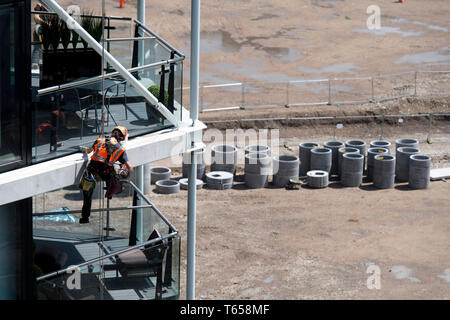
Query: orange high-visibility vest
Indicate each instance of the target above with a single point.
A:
(101, 151)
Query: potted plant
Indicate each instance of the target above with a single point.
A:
(152, 113)
(65, 35)
(68, 64)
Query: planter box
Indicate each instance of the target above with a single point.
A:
(62, 66)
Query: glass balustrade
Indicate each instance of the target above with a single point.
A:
(129, 250)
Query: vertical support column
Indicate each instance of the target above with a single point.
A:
(192, 178)
(139, 171)
(415, 83)
(372, 90)
(243, 95)
(329, 92)
(287, 95)
(147, 176)
(141, 18)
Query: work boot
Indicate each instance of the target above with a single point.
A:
(84, 220)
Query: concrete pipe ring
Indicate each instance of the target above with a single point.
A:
(159, 173)
(256, 148)
(352, 162)
(341, 152)
(321, 159)
(167, 186)
(184, 183)
(371, 153)
(419, 171)
(219, 180)
(334, 146)
(381, 144)
(317, 178)
(305, 156)
(384, 171)
(406, 142)
(402, 162)
(224, 158)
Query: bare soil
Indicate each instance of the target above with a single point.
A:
(274, 243)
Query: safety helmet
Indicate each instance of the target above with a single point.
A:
(123, 131)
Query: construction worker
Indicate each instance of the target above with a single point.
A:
(107, 151)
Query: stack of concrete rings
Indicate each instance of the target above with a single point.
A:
(224, 158)
(305, 156)
(352, 169)
(200, 161)
(317, 179)
(402, 162)
(371, 153)
(257, 170)
(383, 171)
(358, 144)
(167, 186)
(285, 168)
(159, 173)
(381, 144)
(341, 153)
(219, 180)
(406, 142)
(419, 171)
(334, 146)
(321, 159)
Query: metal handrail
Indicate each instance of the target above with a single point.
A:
(412, 115)
(165, 43)
(40, 214)
(143, 196)
(110, 255)
(105, 76)
(84, 15)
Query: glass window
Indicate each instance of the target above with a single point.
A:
(10, 95)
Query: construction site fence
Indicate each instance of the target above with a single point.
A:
(330, 91)
(429, 126)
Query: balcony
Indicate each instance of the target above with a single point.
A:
(76, 97)
(128, 251)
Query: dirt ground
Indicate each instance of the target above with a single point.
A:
(274, 243)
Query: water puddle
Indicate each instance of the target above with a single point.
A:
(402, 272)
(429, 58)
(251, 68)
(387, 30)
(419, 23)
(222, 42)
(346, 67)
(445, 275)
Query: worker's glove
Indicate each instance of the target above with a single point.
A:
(83, 149)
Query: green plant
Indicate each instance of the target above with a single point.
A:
(45, 35)
(92, 25)
(75, 38)
(55, 34)
(155, 90)
(65, 35)
(86, 24)
(96, 29)
(46, 32)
